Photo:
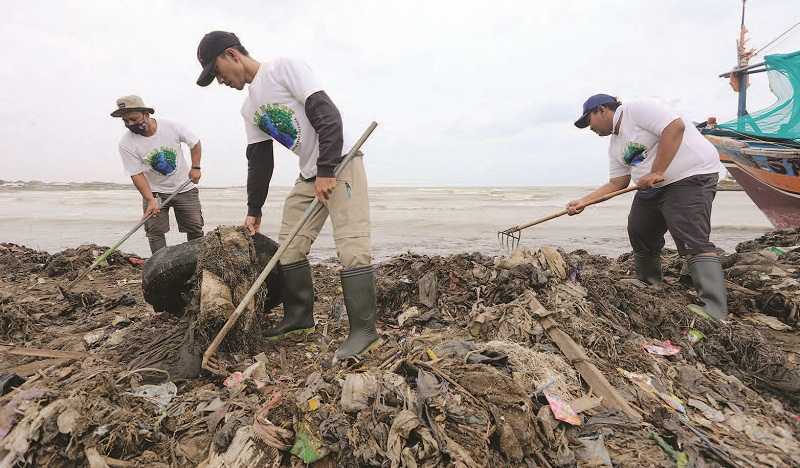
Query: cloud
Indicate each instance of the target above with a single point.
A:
(466, 93)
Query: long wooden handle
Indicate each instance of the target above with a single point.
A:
(540, 220)
(129, 234)
(563, 212)
(310, 211)
(611, 195)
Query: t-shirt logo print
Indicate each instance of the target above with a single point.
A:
(634, 153)
(279, 122)
(163, 160)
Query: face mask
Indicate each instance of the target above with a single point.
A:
(139, 129)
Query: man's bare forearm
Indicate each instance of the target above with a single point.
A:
(140, 181)
(668, 145)
(196, 154)
(613, 185)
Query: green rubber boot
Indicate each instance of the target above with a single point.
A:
(708, 278)
(358, 285)
(298, 302)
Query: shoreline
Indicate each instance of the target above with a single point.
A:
(427, 220)
(724, 184)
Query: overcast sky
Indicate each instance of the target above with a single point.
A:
(465, 92)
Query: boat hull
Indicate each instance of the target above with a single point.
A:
(777, 195)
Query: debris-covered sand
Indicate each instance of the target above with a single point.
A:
(477, 369)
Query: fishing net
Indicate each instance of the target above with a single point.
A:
(781, 119)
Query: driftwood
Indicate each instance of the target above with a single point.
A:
(38, 352)
(590, 373)
(29, 369)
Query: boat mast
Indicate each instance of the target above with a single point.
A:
(743, 56)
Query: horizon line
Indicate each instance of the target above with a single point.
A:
(220, 187)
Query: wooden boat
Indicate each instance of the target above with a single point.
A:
(769, 175)
(762, 150)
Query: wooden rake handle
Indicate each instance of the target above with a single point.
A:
(310, 211)
(563, 212)
(119, 242)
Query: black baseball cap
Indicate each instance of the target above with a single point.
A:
(591, 104)
(213, 44)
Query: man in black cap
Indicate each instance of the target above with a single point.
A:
(676, 170)
(286, 103)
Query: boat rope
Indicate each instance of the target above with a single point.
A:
(777, 38)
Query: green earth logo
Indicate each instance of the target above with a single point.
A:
(163, 160)
(279, 122)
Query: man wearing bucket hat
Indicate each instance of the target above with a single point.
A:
(152, 156)
(676, 170)
(285, 103)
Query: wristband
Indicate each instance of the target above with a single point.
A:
(195, 167)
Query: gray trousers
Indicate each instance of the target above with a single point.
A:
(683, 208)
(188, 214)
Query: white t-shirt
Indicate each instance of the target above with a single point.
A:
(275, 108)
(634, 149)
(159, 157)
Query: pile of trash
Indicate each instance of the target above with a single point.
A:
(542, 358)
(765, 273)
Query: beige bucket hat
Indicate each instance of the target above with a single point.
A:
(131, 103)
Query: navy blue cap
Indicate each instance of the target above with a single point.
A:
(591, 104)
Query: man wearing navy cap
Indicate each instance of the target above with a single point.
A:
(676, 170)
(287, 104)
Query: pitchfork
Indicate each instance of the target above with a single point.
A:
(113, 248)
(215, 366)
(510, 238)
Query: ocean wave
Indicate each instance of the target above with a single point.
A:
(747, 229)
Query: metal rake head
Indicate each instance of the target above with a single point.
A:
(214, 365)
(509, 239)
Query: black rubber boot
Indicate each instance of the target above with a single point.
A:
(298, 301)
(358, 285)
(648, 268)
(708, 278)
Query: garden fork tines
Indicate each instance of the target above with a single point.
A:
(215, 366)
(510, 238)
